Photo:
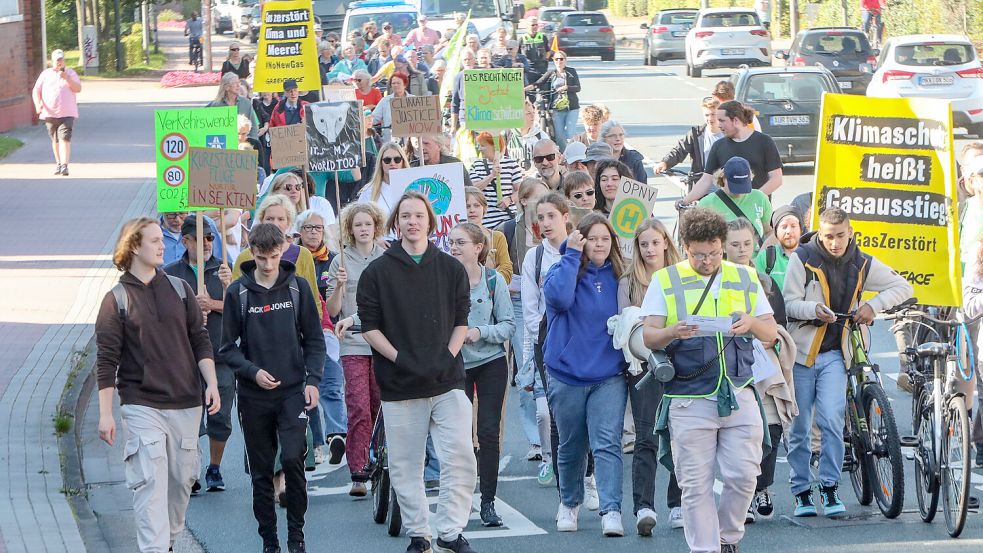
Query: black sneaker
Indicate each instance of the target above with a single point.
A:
(64, 170)
(273, 548)
(762, 504)
(195, 488)
(336, 449)
(804, 507)
(973, 503)
(460, 545)
(832, 506)
(296, 547)
(979, 455)
(488, 515)
(213, 479)
(59, 168)
(419, 545)
(729, 548)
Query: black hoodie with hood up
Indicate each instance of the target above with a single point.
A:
(416, 306)
(287, 344)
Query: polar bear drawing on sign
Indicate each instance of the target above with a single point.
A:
(330, 120)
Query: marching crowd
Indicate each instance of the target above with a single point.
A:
(306, 325)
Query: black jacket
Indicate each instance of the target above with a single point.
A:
(416, 306)
(634, 160)
(213, 323)
(690, 145)
(287, 344)
(573, 85)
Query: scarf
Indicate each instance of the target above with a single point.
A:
(321, 253)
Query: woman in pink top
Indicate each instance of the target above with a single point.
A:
(54, 100)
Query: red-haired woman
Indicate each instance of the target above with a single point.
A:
(496, 176)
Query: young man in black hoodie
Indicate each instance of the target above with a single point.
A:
(278, 363)
(218, 276)
(416, 340)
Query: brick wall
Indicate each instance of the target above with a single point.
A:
(20, 50)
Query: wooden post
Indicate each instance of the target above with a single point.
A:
(200, 249)
(341, 238)
(225, 247)
(423, 158)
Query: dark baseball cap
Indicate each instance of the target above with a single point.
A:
(190, 227)
(289, 84)
(737, 171)
(598, 151)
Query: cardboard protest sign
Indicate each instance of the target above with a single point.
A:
(288, 146)
(443, 185)
(494, 99)
(416, 116)
(176, 131)
(632, 205)
(222, 178)
(287, 48)
(334, 136)
(888, 163)
(338, 93)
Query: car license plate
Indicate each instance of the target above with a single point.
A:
(845, 85)
(586, 43)
(789, 120)
(679, 34)
(936, 81)
(732, 52)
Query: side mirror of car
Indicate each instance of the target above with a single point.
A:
(644, 26)
(875, 52)
(781, 54)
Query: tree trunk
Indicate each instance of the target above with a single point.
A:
(80, 20)
(846, 12)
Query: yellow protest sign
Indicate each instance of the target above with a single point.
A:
(287, 48)
(888, 163)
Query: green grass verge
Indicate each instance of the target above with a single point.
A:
(8, 145)
(157, 62)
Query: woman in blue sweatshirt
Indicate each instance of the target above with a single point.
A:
(586, 372)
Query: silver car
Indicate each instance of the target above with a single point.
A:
(665, 38)
(586, 34)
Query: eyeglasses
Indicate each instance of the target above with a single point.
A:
(702, 257)
(233, 49)
(312, 228)
(580, 195)
(397, 159)
(547, 157)
(292, 187)
(459, 242)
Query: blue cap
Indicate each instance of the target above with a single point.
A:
(401, 59)
(737, 171)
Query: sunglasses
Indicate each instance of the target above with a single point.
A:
(540, 159)
(397, 159)
(580, 195)
(233, 49)
(208, 238)
(292, 187)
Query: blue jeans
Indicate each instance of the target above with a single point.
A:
(822, 388)
(431, 471)
(564, 126)
(527, 403)
(593, 414)
(332, 403)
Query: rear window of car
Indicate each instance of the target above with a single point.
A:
(934, 54)
(402, 22)
(585, 20)
(787, 86)
(846, 44)
(730, 19)
(677, 18)
(553, 15)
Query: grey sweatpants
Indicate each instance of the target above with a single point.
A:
(161, 460)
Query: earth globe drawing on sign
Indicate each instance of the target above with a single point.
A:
(436, 191)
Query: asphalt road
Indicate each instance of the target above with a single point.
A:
(656, 106)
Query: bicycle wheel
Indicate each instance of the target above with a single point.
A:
(955, 466)
(885, 466)
(381, 490)
(926, 485)
(859, 475)
(395, 518)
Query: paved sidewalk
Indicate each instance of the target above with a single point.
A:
(54, 270)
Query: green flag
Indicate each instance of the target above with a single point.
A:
(453, 58)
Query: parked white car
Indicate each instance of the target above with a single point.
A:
(933, 66)
(727, 37)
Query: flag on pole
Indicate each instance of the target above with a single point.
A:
(555, 44)
(453, 57)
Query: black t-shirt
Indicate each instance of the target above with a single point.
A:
(759, 150)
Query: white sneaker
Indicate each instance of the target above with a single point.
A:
(319, 455)
(535, 453)
(646, 521)
(676, 518)
(566, 518)
(591, 501)
(611, 525)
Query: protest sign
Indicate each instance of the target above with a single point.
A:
(632, 205)
(338, 93)
(176, 131)
(334, 136)
(287, 48)
(494, 99)
(222, 178)
(443, 185)
(416, 116)
(288, 146)
(888, 163)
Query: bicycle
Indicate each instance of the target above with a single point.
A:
(196, 54)
(940, 420)
(874, 29)
(873, 445)
(544, 109)
(384, 504)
